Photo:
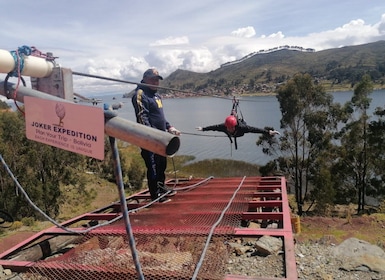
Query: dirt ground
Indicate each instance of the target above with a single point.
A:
(335, 230)
(13, 239)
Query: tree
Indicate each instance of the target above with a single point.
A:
(136, 174)
(106, 168)
(307, 121)
(4, 105)
(323, 193)
(354, 150)
(376, 140)
(40, 169)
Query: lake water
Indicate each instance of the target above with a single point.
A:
(188, 113)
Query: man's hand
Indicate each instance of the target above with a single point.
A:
(199, 128)
(273, 132)
(174, 131)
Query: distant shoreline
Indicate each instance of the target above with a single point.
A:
(344, 88)
(339, 89)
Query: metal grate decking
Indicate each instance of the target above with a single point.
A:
(169, 236)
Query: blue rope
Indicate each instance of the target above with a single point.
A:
(18, 56)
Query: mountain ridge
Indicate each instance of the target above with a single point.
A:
(265, 71)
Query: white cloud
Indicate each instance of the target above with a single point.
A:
(197, 36)
(353, 33)
(381, 25)
(278, 35)
(169, 41)
(172, 53)
(246, 32)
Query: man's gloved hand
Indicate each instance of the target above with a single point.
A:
(199, 128)
(273, 132)
(174, 131)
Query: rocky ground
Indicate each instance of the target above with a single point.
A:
(314, 261)
(316, 250)
(317, 261)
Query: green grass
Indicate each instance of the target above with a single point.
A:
(211, 167)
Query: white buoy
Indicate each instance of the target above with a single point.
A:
(33, 66)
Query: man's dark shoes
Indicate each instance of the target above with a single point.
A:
(170, 193)
(163, 190)
(164, 199)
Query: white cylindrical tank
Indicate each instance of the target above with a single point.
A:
(7, 63)
(36, 67)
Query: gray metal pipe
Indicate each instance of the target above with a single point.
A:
(154, 140)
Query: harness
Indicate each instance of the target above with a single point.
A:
(234, 110)
(239, 117)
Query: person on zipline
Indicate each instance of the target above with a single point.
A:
(234, 127)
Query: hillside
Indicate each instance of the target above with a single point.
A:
(264, 72)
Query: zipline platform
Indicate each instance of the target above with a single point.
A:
(195, 231)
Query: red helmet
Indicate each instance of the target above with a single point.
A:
(230, 121)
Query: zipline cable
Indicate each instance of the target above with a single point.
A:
(204, 135)
(135, 83)
(159, 87)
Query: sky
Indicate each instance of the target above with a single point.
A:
(120, 39)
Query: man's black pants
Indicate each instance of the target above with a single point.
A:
(156, 167)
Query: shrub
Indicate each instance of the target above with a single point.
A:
(16, 225)
(28, 221)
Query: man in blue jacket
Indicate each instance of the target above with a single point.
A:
(149, 111)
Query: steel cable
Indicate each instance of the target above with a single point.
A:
(212, 231)
(159, 87)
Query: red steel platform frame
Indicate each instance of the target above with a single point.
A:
(265, 194)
